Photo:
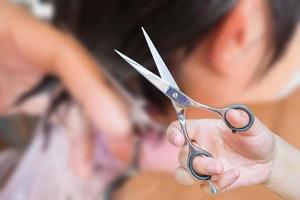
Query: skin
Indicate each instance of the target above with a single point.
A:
(256, 156)
(225, 66)
(231, 59)
(26, 56)
(224, 60)
(228, 60)
(60, 55)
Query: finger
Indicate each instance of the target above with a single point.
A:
(202, 165)
(174, 134)
(67, 59)
(227, 179)
(121, 148)
(81, 142)
(102, 106)
(81, 155)
(238, 118)
(184, 177)
(183, 156)
(207, 166)
(224, 181)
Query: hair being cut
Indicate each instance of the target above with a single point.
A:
(174, 25)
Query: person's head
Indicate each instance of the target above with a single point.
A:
(220, 51)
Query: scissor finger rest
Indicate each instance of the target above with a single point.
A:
(192, 155)
(242, 108)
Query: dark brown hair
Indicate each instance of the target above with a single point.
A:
(104, 25)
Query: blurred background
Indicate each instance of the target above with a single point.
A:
(17, 130)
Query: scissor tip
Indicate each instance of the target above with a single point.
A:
(118, 52)
(144, 32)
(121, 54)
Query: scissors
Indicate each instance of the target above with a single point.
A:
(181, 102)
(143, 124)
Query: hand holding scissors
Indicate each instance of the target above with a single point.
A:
(142, 123)
(239, 160)
(167, 85)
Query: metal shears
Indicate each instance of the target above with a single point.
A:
(143, 124)
(167, 85)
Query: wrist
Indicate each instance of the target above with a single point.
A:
(284, 177)
(276, 171)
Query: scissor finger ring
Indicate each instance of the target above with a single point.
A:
(193, 153)
(242, 108)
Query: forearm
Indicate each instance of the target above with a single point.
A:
(285, 177)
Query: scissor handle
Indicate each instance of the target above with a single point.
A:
(193, 153)
(244, 109)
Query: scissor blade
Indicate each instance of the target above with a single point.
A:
(155, 80)
(162, 68)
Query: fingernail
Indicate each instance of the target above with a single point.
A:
(177, 140)
(175, 137)
(214, 168)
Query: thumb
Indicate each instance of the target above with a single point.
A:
(239, 119)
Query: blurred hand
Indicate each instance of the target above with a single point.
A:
(29, 49)
(240, 159)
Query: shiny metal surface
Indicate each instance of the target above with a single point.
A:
(181, 102)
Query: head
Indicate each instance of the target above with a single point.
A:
(219, 51)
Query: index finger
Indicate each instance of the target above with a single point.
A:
(176, 137)
(100, 103)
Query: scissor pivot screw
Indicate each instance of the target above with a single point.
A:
(175, 95)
